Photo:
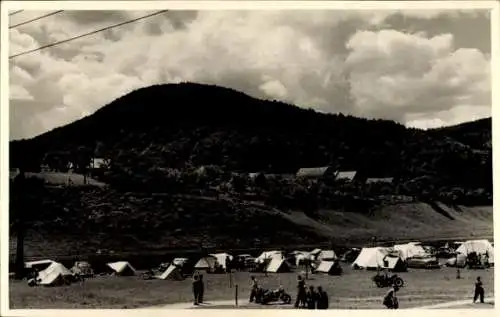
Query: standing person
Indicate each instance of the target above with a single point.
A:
(254, 288)
(322, 299)
(202, 289)
(196, 288)
(301, 293)
(390, 299)
(479, 290)
(311, 298)
(229, 264)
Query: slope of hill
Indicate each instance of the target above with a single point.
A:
(155, 137)
(85, 220)
(475, 134)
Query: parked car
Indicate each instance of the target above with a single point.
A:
(423, 262)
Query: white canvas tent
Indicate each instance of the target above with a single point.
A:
(206, 263)
(268, 255)
(410, 250)
(277, 265)
(315, 252)
(122, 268)
(171, 273)
(371, 258)
(40, 264)
(393, 262)
(326, 255)
(53, 274)
(222, 258)
(478, 246)
(325, 267)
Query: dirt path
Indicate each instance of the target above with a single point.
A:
(465, 302)
(226, 303)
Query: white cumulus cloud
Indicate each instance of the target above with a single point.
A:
(333, 61)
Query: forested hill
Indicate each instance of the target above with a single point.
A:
(189, 125)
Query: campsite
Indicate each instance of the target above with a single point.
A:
(120, 285)
(288, 159)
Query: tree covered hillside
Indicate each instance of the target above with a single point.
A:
(189, 125)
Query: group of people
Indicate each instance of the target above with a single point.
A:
(198, 288)
(310, 298)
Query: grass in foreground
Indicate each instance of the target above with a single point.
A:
(353, 290)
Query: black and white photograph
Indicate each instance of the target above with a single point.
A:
(275, 156)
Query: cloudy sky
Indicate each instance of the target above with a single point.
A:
(421, 68)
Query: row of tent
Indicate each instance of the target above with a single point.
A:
(52, 272)
(392, 258)
(395, 258)
(480, 247)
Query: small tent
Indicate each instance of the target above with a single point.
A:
(328, 267)
(410, 250)
(268, 255)
(315, 252)
(478, 246)
(54, 274)
(394, 263)
(326, 255)
(370, 258)
(40, 265)
(277, 265)
(122, 268)
(171, 273)
(222, 258)
(206, 263)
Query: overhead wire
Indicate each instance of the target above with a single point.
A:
(15, 12)
(88, 33)
(36, 19)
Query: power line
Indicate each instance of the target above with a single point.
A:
(87, 34)
(35, 19)
(15, 12)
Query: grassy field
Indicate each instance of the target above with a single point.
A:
(353, 290)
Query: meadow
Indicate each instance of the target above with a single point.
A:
(353, 290)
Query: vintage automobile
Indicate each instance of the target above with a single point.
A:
(423, 262)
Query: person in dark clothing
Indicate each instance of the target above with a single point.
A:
(322, 299)
(254, 288)
(390, 299)
(301, 293)
(196, 288)
(229, 264)
(479, 291)
(311, 298)
(202, 289)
